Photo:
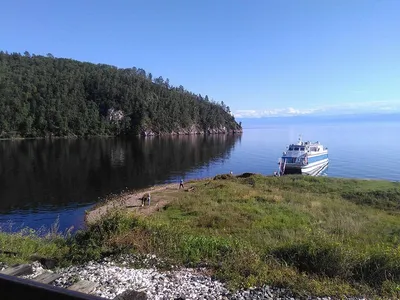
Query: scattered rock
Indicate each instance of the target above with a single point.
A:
(223, 176)
(246, 175)
(117, 279)
(47, 263)
(131, 295)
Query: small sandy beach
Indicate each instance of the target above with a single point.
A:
(161, 195)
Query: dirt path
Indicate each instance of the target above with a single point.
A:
(161, 195)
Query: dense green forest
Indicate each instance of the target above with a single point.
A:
(42, 96)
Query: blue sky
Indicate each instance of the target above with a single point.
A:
(261, 57)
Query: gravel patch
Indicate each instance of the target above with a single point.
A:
(115, 275)
(114, 280)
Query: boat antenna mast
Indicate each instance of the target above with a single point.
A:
(300, 142)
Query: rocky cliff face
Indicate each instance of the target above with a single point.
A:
(192, 130)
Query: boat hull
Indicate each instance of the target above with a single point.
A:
(309, 169)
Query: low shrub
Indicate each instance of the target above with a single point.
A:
(317, 256)
(223, 176)
(382, 199)
(378, 265)
(93, 242)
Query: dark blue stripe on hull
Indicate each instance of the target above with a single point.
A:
(314, 159)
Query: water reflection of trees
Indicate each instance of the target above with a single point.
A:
(61, 172)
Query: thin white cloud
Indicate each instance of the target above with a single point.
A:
(250, 113)
(347, 108)
(273, 112)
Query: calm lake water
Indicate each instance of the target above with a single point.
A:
(41, 180)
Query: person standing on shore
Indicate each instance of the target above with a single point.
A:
(181, 184)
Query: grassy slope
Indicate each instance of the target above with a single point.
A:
(321, 236)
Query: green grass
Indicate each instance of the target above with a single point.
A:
(21, 246)
(315, 235)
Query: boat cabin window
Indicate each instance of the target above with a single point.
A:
(290, 148)
(296, 149)
(301, 148)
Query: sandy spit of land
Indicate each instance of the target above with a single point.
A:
(161, 195)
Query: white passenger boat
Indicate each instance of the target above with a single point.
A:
(309, 158)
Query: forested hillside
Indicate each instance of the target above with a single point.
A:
(46, 96)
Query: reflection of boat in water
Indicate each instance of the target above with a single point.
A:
(310, 158)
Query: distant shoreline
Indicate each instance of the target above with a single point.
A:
(118, 136)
